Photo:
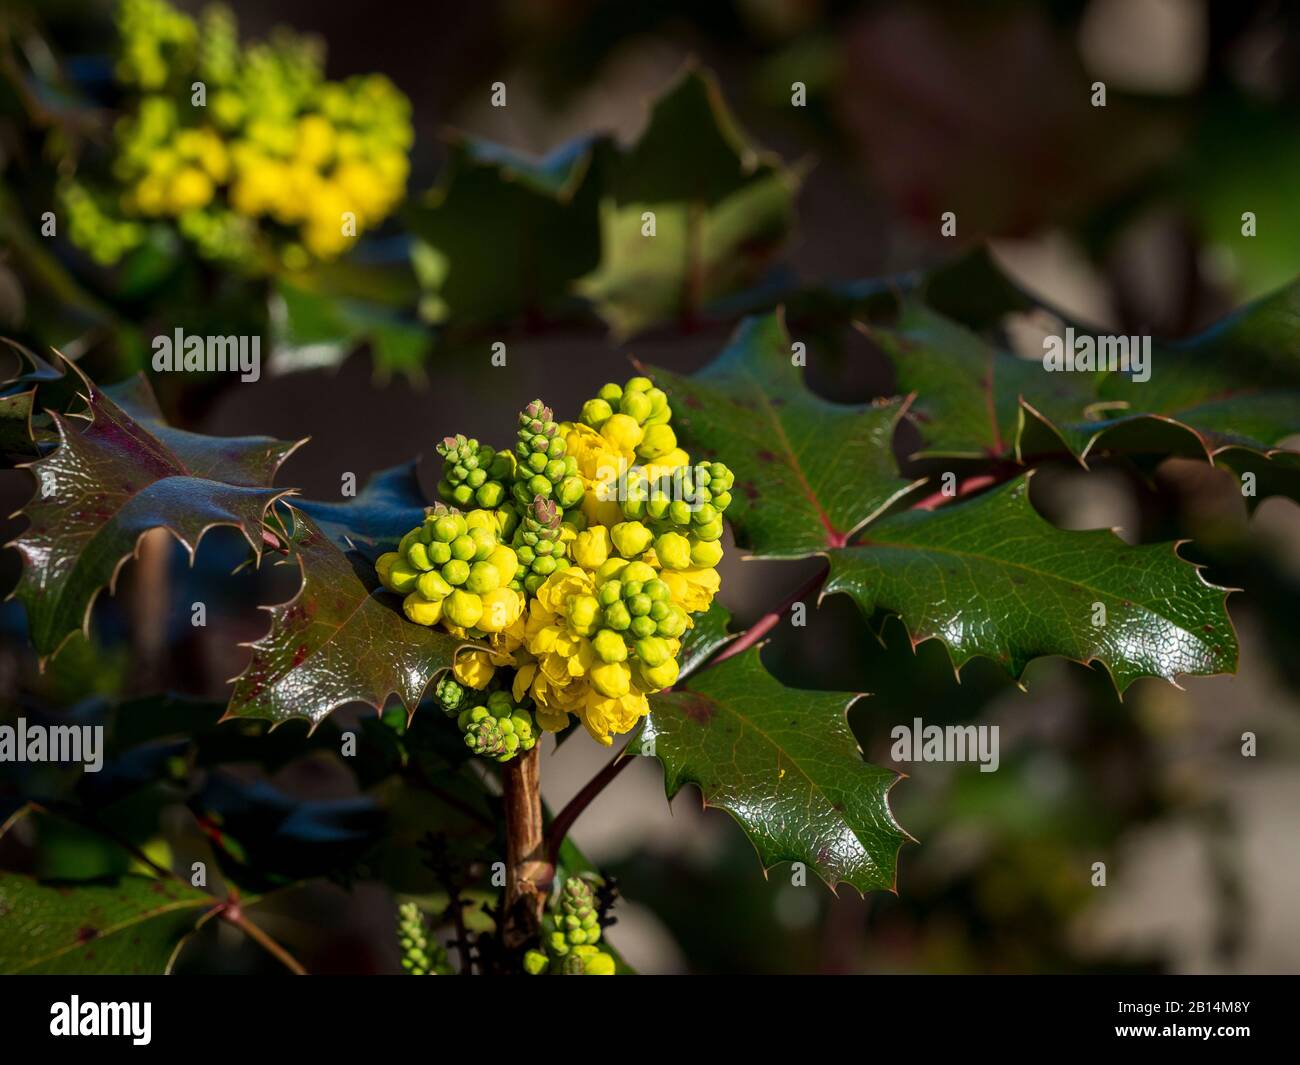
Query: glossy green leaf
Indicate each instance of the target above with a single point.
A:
(972, 398)
(113, 480)
(133, 925)
(341, 639)
(808, 472)
(720, 212)
(785, 765)
(311, 329)
(991, 577)
(504, 235)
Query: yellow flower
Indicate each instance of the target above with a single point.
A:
(474, 668)
(612, 679)
(591, 547)
(692, 589)
(622, 432)
(501, 608)
(605, 717)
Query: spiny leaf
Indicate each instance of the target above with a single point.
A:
(808, 472)
(972, 399)
(389, 506)
(1236, 384)
(991, 577)
(112, 481)
(504, 235)
(721, 211)
(134, 925)
(341, 639)
(785, 765)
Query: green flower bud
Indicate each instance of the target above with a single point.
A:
(418, 556)
(635, 405)
(639, 605)
(637, 571)
(462, 608)
(643, 626)
(679, 512)
(652, 650)
(433, 587)
(673, 551)
(661, 676)
(609, 593)
(710, 531)
(485, 737)
(609, 646)
(657, 590)
(463, 548)
(535, 962)
(595, 412)
(705, 553)
(583, 614)
(638, 384)
(438, 553)
(447, 527)
(484, 543)
(420, 610)
(658, 440)
(657, 507)
(450, 693)
(617, 617)
(631, 538)
(402, 577)
(610, 393)
(570, 491)
(674, 624)
(456, 572)
(490, 494)
(483, 578)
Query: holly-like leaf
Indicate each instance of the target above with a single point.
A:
(341, 639)
(136, 924)
(313, 328)
(784, 763)
(990, 576)
(808, 472)
(720, 212)
(504, 235)
(1235, 385)
(389, 506)
(113, 480)
(972, 398)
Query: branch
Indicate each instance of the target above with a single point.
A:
(769, 621)
(528, 875)
(232, 912)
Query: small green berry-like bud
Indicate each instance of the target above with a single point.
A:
(643, 626)
(433, 587)
(631, 538)
(635, 405)
(610, 393)
(483, 578)
(705, 553)
(658, 440)
(462, 608)
(652, 650)
(485, 737)
(595, 412)
(583, 614)
(609, 646)
(673, 551)
(617, 617)
(535, 963)
(455, 572)
(450, 693)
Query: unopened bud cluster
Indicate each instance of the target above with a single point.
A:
(576, 595)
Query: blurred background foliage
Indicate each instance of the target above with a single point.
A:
(518, 228)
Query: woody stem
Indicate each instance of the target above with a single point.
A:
(528, 873)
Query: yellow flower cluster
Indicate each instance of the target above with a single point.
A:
(236, 143)
(604, 630)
